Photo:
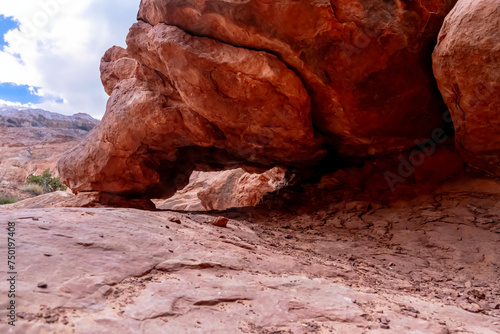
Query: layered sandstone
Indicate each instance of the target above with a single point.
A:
(211, 85)
(32, 140)
(21, 117)
(467, 67)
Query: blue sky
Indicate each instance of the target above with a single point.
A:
(23, 94)
(8, 91)
(6, 24)
(50, 51)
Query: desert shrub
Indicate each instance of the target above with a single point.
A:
(7, 200)
(46, 181)
(33, 189)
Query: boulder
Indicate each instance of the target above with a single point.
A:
(366, 64)
(218, 107)
(467, 67)
(224, 190)
(215, 85)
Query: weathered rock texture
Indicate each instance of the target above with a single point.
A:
(150, 140)
(363, 62)
(220, 84)
(223, 190)
(467, 67)
(427, 266)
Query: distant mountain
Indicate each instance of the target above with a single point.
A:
(19, 117)
(32, 140)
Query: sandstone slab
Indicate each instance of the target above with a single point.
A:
(268, 271)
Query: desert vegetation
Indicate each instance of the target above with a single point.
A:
(7, 200)
(42, 184)
(32, 189)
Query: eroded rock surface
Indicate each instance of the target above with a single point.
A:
(430, 265)
(363, 62)
(467, 67)
(210, 85)
(151, 140)
(224, 190)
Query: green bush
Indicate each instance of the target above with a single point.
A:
(7, 200)
(46, 181)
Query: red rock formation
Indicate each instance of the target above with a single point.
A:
(224, 190)
(153, 136)
(241, 189)
(365, 63)
(467, 67)
(215, 84)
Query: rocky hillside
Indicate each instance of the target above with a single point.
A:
(18, 117)
(32, 140)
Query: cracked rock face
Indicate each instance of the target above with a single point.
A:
(210, 85)
(467, 67)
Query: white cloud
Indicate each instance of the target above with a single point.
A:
(60, 44)
(16, 104)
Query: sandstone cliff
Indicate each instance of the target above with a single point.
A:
(211, 85)
(20, 117)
